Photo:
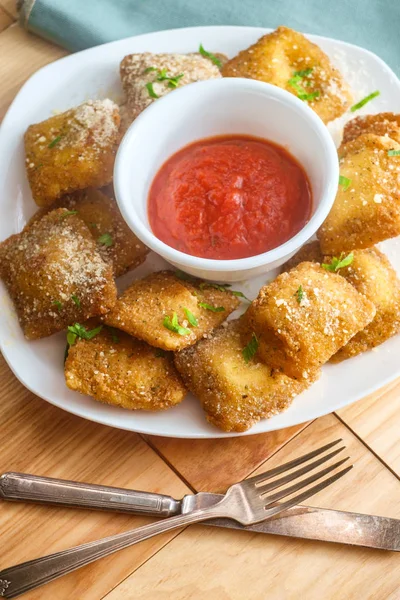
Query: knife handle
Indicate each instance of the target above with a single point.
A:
(46, 490)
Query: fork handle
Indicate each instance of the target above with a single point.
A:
(30, 575)
(22, 486)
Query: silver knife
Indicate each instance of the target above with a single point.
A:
(300, 522)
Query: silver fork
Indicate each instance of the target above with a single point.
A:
(247, 502)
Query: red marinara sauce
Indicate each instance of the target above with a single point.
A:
(229, 197)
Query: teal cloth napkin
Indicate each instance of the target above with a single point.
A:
(79, 24)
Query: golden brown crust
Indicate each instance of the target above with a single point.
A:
(121, 248)
(385, 124)
(118, 369)
(368, 211)
(277, 56)
(234, 394)
(72, 151)
(372, 275)
(141, 310)
(55, 275)
(298, 334)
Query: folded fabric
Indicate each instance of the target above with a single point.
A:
(79, 24)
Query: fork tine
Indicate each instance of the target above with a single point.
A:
(307, 494)
(267, 487)
(303, 483)
(291, 464)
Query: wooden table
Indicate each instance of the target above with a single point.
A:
(199, 562)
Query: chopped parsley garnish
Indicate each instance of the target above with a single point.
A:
(364, 101)
(79, 331)
(249, 351)
(105, 239)
(211, 56)
(173, 325)
(191, 318)
(211, 307)
(160, 353)
(297, 83)
(172, 81)
(186, 277)
(393, 152)
(58, 304)
(239, 295)
(55, 141)
(68, 213)
(76, 300)
(299, 293)
(345, 182)
(223, 287)
(339, 263)
(113, 334)
(151, 91)
(149, 69)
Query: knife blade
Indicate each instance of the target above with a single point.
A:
(300, 522)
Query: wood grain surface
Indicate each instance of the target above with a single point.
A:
(199, 562)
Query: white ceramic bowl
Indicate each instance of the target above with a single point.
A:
(217, 107)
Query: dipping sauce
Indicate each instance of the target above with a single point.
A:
(229, 197)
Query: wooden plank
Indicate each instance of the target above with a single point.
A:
(204, 563)
(41, 439)
(376, 420)
(10, 7)
(212, 465)
(21, 55)
(5, 19)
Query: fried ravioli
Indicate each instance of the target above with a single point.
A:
(117, 244)
(55, 274)
(72, 151)
(303, 317)
(234, 394)
(310, 252)
(372, 275)
(146, 310)
(367, 211)
(146, 77)
(118, 369)
(289, 60)
(386, 124)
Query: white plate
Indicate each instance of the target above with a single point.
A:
(94, 73)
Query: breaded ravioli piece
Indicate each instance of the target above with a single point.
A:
(303, 317)
(116, 243)
(55, 274)
(366, 210)
(117, 369)
(290, 61)
(146, 76)
(168, 312)
(72, 151)
(310, 252)
(235, 394)
(372, 275)
(386, 124)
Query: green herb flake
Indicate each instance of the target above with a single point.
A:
(173, 82)
(364, 101)
(191, 318)
(58, 304)
(339, 263)
(106, 240)
(149, 69)
(76, 300)
(173, 325)
(345, 182)
(393, 152)
(151, 91)
(299, 293)
(223, 287)
(303, 73)
(79, 331)
(249, 351)
(186, 277)
(211, 307)
(211, 56)
(297, 83)
(68, 213)
(113, 334)
(55, 141)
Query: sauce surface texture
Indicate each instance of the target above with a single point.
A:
(229, 197)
